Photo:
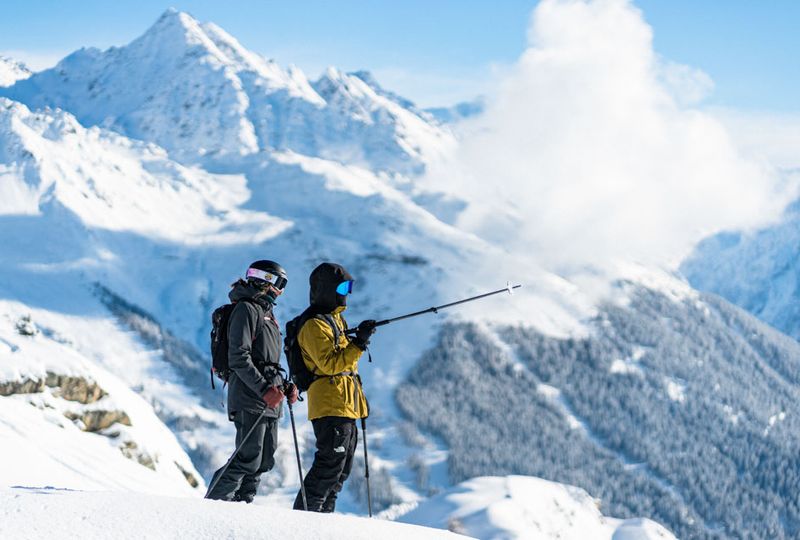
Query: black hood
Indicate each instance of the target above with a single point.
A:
(323, 280)
(242, 289)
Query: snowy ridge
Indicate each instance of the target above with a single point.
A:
(195, 90)
(12, 71)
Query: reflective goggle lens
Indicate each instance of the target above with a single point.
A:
(345, 287)
(278, 282)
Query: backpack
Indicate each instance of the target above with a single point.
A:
(219, 342)
(299, 373)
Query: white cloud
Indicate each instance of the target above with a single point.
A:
(688, 85)
(590, 152)
(763, 135)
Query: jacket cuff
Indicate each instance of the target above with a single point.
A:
(273, 378)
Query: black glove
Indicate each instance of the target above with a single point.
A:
(290, 391)
(363, 332)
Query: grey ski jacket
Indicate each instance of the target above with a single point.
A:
(254, 349)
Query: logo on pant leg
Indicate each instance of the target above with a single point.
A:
(339, 449)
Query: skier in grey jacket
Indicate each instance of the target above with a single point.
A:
(255, 385)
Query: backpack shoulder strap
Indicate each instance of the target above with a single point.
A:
(328, 318)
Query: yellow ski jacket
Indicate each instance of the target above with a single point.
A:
(338, 392)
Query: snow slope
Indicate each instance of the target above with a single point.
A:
(67, 421)
(116, 184)
(28, 513)
(526, 507)
(757, 270)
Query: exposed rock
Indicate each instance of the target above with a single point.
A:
(98, 420)
(131, 451)
(26, 327)
(66, 387)
(189, 476)
(74, 388)
(454, 525)
(25, 386)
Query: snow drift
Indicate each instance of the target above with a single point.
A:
(526, 507)
(31, 513)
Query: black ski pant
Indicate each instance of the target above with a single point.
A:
(337, 439)
(239, 481)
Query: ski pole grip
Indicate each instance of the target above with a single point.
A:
(351, 331)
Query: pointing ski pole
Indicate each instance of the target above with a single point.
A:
(366, 464)
(297, 453)
(235, 452)
(509, 289)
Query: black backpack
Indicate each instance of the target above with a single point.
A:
(298, 371)
(219, 342)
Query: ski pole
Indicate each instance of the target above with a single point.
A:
(509, 289)
(297, 452)
(230, 460)
(366, 464)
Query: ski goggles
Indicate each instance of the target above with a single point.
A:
(279, 282)
(345, 287)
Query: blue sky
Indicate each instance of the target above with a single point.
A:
(435, 52)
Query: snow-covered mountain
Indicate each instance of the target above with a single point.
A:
(176, 160)
(196, 91)
(12, 71)
(676, 405)
(758, 270)
(97, 225)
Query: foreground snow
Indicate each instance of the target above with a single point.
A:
(44, 513)
(527, 507)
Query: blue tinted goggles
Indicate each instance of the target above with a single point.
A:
(345, 287)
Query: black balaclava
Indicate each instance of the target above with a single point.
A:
(323, 280)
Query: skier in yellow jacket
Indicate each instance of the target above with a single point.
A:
(335, 398)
